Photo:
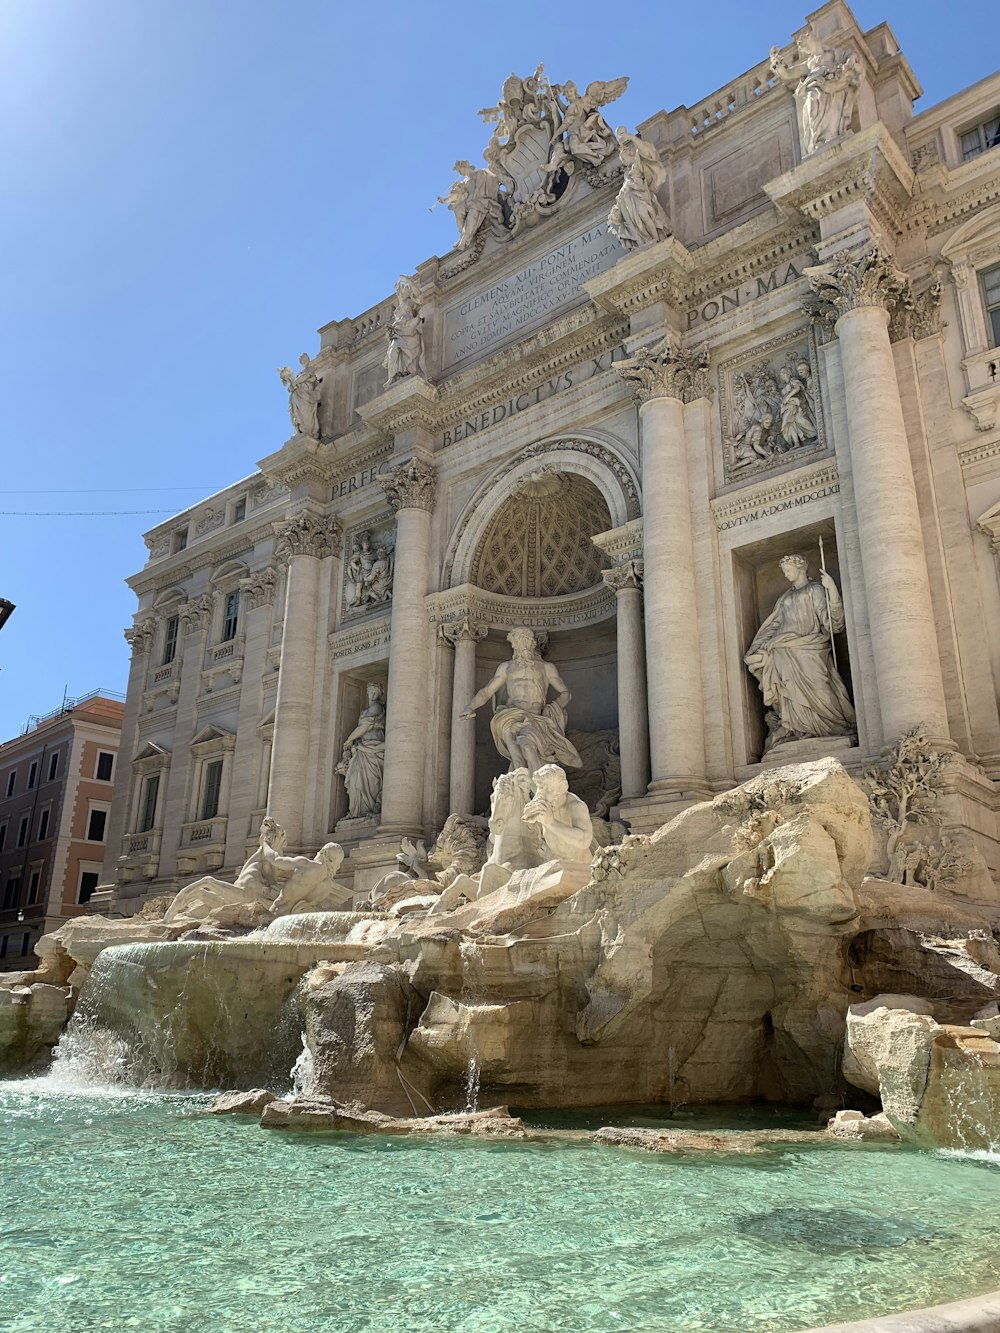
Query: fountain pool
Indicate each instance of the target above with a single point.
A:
(125, 1209)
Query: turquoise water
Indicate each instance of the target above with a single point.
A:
(139, 1212)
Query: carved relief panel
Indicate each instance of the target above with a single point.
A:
(369, 564)
(771, 407)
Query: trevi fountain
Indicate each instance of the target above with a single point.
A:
(594, 925)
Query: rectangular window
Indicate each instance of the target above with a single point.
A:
(210, 790)
(54, 766)
(105, 766)
(33, 882)
(12, 892)
(979, 138)
(991, 294)
(95, 825)
(3, 835)
(88, 883)
(11, 779)
(240, 510)
(170, 639)
(43, 826)
(179, 540)
(147, 819)
(32, 773)
(231, 616)
(25, 943)
(22, 830)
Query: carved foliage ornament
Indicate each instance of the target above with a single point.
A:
(664, 370)
(258, 588)
(140, 637)
(851, 281)
(626, 575)
(197, 615)
(306, 534)
(410, 485)
(463, 631)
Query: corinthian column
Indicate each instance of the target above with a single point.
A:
(302, 541)
(664, 378)
(633, 721)
(409, 488)
(859, 293)
(463, 636)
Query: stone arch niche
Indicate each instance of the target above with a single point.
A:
(523, 554)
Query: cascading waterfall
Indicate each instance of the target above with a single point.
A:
(301, 1072)
(473, 985)
(969, 1103)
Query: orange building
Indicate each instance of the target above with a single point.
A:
(56, 781)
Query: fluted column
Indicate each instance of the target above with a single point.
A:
(664, 378)
(257, 591)
(409, 489)
(140, 638)
(860, 291)
(463, 636)
(633, 718)
(303, 541)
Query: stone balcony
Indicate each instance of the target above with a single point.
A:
(140, 856)
(203, 845)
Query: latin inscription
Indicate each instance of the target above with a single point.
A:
(538, 290)
(732, 300)
(363, 478)
(779, 507)
(461, 430)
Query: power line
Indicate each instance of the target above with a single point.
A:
(113, 490)
(78, 513)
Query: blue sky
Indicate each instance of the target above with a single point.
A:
(189, 190)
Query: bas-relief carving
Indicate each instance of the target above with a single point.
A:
(792, 658)
(368, 570)
(363, 758)
(544, 136)
(527, 727)
(770, 407)
(637, 217)
(209, 521)
(303, 397)
(405, 353)
(825, 85)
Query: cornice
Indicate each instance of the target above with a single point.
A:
(359, 638)
(772, 490)
(468, 602)
(979, 452)
(939, 214)
(411, 401)
(868, 166)
(167, 573)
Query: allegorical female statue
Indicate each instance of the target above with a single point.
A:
(825, 84)
(405, 352)
(792, 658)
(303, 397)
(637, 216)
(363, 758)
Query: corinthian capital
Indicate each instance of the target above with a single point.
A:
(917, 315)
(140, 637)
(410, 485)
(626, 575)
(197, 614)
(258, 588)
(664, 370)
(305, 534)
(850, 281)
(461, 631)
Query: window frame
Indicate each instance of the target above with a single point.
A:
(34, 882)
(171, 636)
(979, 129)
(11, 782)
(991, 310)
(23, 830)
(146, 821)
(230, 616)
(44, 818)
(81, 901)
(104, 754)
(94, 808)
(214, 766)
(12, 891)
(53, 766)
(32, 774)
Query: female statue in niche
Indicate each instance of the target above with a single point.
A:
(792, 658)
(363, 758)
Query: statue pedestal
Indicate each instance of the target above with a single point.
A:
(370, 860)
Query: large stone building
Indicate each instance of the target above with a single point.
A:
(56, 785)
(654, 365)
